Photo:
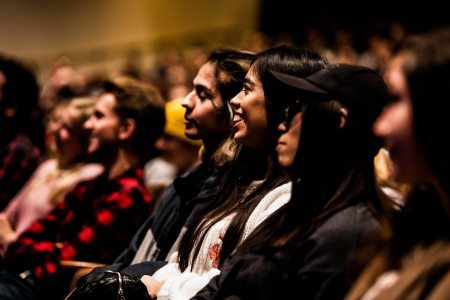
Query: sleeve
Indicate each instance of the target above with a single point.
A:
(36, 249)
(181, 285)
(108, 229)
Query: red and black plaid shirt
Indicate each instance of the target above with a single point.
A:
(18, 160)
(95, 222)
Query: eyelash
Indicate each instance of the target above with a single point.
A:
(202, 94)
(245, 89)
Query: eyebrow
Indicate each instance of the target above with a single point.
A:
(202, 88)
(249, 82)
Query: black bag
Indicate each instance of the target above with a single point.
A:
(109, 285)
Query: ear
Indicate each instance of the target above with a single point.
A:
(127, 129)
(344, 114)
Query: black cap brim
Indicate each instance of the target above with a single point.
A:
(298, 83)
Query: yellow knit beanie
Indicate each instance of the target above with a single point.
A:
(175, 121)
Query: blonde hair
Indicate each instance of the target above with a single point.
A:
(64, 178)
(223, 154)
(383, 173)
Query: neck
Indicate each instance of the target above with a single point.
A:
(124, 161)
(212, 144)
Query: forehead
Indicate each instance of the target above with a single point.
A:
(251, 77)
(205, 76)
(106, 103)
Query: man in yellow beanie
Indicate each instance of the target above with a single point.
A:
(178, 153)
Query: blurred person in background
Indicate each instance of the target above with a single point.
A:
(178, 152)
(98, 217)
(21, 130)
(56, 176)
(414, 261)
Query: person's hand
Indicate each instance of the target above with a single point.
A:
(153, 286)
(7, 233)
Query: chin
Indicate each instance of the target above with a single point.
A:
(240, 138)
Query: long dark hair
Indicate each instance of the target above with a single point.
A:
(333, 169)
(249, 165)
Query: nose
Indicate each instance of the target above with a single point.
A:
(382, 126)
(235, 102)
(282, 127)
(88, 123)
(187, 101)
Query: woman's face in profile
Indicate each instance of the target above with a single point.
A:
(250, 124)
(395, 126)
(289, 140)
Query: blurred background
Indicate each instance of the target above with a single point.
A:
(145, 37)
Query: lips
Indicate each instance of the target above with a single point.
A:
(279, 146)
(188, 122)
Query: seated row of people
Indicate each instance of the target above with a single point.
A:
(53, 220)
(285, 201)
(312, 245)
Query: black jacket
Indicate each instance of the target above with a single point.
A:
(321, 268)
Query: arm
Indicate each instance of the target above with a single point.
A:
(7, 233)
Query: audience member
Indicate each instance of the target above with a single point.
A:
(307, 248)
(54, 177)
(178, 152)
(414, 261)
(98, 218)
(208, 117)
(21, 138)
(255, 189)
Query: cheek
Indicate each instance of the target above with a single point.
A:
(394, 124)
(257, 119)
(63, 136)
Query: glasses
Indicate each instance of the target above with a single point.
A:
(291, 111)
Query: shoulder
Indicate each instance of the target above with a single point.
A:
(90, 171)
(283, 191)
(354, 219)
(275, 198)
(346, 233)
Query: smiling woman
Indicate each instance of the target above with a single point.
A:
(54, 177)
(327, 148)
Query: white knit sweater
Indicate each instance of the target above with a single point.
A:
(184, 285)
